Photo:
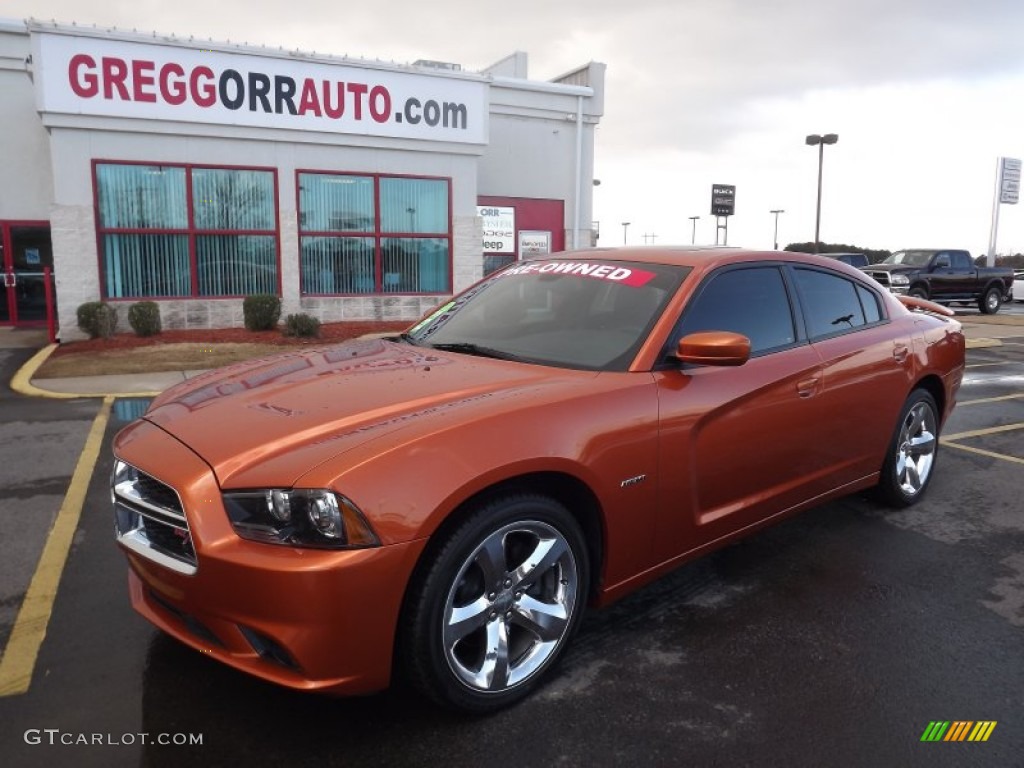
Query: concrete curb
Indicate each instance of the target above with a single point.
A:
(21, 382)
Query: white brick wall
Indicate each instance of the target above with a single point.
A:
(75, 266)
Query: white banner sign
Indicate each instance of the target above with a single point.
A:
(499, 228)
(113, 78)
(534, 243)
(1009, 180)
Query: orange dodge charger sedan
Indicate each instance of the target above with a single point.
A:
(446, 502)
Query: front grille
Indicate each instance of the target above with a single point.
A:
(150, 519)
(882, 278)
(159, 494)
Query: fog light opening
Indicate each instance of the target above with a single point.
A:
(267, 649)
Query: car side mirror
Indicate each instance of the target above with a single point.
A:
(714, 348)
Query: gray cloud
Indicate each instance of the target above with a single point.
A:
(681, 73)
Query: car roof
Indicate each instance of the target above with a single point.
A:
(699, 257)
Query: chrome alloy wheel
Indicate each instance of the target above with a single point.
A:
(509, 607)
(916, 449)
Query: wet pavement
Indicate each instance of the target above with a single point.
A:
(832, 639)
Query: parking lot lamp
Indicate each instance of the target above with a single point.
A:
(820, 141)
(775, 239)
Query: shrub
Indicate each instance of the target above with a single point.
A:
(302, 325)
(87, 317)
(261, 311)
(106, 320)
(97, 319)
(144, 318)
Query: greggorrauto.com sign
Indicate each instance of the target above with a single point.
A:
(115, 78)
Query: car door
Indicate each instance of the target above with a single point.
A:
(951, 275)
(965, 280)
(866, 372)
(737, 445)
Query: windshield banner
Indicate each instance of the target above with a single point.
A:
(614, 272)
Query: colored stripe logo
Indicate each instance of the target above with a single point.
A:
(958, 730)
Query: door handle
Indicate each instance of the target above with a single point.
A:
(808, 387)
(10, 280)
(901, 352)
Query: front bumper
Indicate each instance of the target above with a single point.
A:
(303, 618)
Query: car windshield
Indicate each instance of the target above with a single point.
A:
(911, 258)
(588, 313)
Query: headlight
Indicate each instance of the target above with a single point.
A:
(299, 518)
(899, 280)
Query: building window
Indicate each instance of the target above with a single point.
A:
(186, 231)
(371, 234)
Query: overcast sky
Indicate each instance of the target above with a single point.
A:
(925, 95)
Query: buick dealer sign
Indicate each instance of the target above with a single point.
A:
(723, 199)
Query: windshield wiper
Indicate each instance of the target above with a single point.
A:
(407, 338)
(474, 349)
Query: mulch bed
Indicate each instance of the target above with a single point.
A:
(329, 332)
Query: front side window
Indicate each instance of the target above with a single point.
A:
(362, 234)
(186, 231)
(752, 301)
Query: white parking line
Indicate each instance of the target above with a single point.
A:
(980, 400)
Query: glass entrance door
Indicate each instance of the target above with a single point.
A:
(26, 253)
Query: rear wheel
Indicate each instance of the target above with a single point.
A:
(918, 293)
(910, 459)
(991, 301)
(496, 605)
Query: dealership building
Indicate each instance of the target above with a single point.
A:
(194, 174)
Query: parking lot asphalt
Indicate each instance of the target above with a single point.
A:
(834, 638)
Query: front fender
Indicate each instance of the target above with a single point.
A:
(604, 439)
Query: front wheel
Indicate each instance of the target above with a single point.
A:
(990, 303)
(918, 293)
(910, 457)
(496, 605)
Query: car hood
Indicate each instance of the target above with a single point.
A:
(273, 419)
(890, 268)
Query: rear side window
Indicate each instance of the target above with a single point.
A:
(960, 260)
(833, 304)
(869, 302)
(752, 301)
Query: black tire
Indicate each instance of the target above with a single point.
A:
(476, 589)
(918, 292)
(910, 457)
(991, 301)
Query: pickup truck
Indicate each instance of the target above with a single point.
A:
(944, 275)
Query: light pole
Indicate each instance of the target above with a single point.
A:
(821, 141)
(693, 234)
(625, 228)
(777, 211)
